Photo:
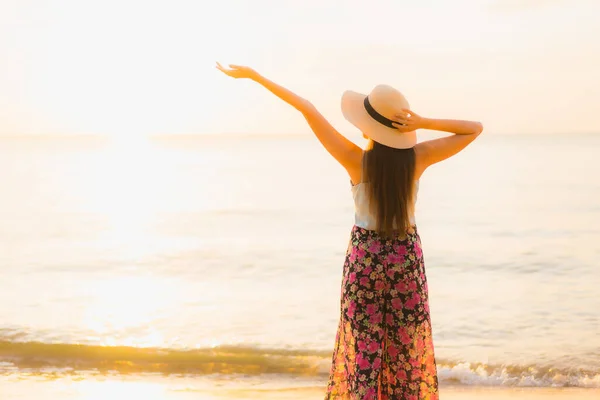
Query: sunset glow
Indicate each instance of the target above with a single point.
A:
(135, 68)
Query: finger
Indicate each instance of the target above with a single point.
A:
(221, 68)
(399, 126)
(408, 112)
(235, 66)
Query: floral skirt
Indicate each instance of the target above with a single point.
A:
(383, 348)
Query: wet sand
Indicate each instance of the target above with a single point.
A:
(155, 388)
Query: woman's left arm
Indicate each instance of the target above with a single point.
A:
(343, 150)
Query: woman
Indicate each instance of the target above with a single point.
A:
(383, 347)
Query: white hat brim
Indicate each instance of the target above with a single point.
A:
(354, 111)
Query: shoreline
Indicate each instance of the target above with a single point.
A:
(446, 393)
(190, 388)
(450, 393)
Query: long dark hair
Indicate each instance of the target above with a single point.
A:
(390, 174)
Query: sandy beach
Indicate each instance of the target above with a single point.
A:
(158, 389)
(449, 393)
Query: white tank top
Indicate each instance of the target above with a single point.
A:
(363, 217)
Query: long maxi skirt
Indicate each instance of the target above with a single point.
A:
(383, 348)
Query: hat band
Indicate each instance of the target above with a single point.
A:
(378, 117)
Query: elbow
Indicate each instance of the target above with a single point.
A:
(478, 128)
(305, 107)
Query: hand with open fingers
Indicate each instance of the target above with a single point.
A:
(407, 121)
(237, 71)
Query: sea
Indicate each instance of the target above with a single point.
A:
(216, 260)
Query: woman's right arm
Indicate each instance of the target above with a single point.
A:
(455, 126)
(433, 151)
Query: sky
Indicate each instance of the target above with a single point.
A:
(138, 67)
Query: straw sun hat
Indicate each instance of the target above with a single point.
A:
(373, 115)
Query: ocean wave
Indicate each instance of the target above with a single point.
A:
(66, 358)
(475, 374)
(125, 359)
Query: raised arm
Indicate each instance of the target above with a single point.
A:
(343, 150)
(433, 151)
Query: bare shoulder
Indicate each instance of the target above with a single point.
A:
(354, 165)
